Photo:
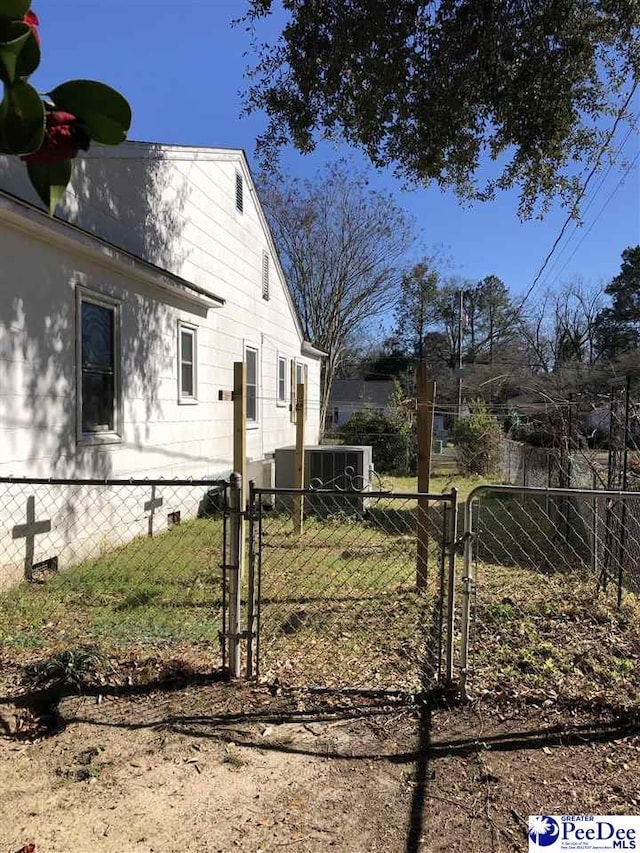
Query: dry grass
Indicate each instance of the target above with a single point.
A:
(339, 605)
(553, 638)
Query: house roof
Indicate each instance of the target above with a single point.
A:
(372, 392)
(33, 218)
(150, 150)
(132, 149)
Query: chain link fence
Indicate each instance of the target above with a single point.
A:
(124, 567)
(544, 603)
(340, 603)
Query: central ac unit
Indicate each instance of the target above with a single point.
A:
(328, 470)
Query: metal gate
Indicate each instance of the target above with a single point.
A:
(350, 588)
(534, 562)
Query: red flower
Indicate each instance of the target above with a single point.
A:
(32, 19)
(64, 136)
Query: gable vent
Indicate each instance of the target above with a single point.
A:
(239, 193)
(265, 275)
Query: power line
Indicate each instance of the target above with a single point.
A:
(590, 201)
(599, 214)
(583, 191)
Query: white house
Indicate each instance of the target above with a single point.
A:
(120, 320)
(119, 325)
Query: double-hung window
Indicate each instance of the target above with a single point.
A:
(299, 375)
(187, 363)
(251, 357)
(98, 367)
(282, 380)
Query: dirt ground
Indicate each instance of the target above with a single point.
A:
(220, 767)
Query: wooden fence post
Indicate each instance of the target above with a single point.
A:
(298, 500)
(240, 469)
(426, 394)
(240, 424)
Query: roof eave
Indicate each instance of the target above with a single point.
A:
(52, 229)
(307, 348)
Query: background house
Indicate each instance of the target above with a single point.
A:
(349, 396)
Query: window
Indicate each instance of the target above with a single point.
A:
(299, 375)
(282, 380)
(251, 357)
(239, 193)
(265, 275)
(98, 380)
(187, 363)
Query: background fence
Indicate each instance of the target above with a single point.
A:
(115, 565)
(338, 605)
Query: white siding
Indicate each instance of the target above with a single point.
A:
(176, 208)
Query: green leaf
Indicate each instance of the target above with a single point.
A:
(106, 114)
(50, 180)
(14, 9)
(29, 58)
(13, 37)
(22, 119)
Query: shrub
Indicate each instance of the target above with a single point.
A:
(392, 437)
(479, 440)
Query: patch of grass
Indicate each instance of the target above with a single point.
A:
(440, 482)
(232, 757)
(557, 639)
(160, 591)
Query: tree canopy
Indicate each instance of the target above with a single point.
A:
(432, 86)
(619, 324)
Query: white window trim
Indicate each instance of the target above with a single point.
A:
(184, 399)
(254, 346)
(108, 436)
(284, 401)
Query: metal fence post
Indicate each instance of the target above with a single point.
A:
(451, 587)
(236, 551)
(253, 509)
(467, 591)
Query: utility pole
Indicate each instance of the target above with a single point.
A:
(459, 354)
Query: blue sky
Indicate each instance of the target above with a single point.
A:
(181, 64)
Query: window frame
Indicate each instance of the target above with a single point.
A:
(253, 423)
(188, 399)
(281, 401)
(108, 436)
